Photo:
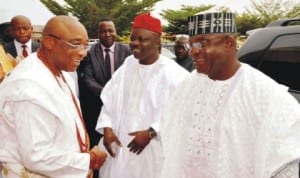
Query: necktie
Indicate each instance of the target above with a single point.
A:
(107, 63)
(24, 53)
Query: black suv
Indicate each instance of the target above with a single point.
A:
(275, 50)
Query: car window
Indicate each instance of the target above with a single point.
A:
(282, 61)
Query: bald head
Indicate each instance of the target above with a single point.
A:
(63, 26)
(182, 40)
(20, 18)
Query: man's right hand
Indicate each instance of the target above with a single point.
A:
(97, 158)
(108, 140)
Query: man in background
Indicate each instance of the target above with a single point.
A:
(22, 45)
(95, 71)
(102, 60)
(181, 49)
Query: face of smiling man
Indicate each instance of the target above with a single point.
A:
(64, 44)
(145, 45)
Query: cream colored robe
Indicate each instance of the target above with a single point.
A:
(133, 100)
(37, 125)
(245, 127)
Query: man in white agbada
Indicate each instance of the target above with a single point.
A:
(132, 104)
(41, 129)
(228, 120)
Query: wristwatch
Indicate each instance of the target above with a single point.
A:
(152, 133)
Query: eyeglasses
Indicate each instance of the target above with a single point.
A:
(205, 42)
(71, 45)
(197, 45)
(185, 46)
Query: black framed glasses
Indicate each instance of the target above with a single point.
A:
(71, 45)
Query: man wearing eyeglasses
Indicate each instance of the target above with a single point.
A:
(42, 132)
(228, 120)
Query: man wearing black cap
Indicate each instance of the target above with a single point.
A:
(133, 101)
(227, 119)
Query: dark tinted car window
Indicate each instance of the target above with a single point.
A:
(282, 61)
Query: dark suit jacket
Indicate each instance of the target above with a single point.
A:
(186, 63)
(91, 80)
(12, 50)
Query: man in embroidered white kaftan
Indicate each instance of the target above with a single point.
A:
(41, 128)
(227, 119)
(132, 104)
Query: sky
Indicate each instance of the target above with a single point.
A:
(39, 14)
(33, 9)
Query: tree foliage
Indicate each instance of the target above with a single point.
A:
(89, 12)
(270, 10)
(258, 15)
(177, 20)
(265, 11)
(247, 22)
(122, 13)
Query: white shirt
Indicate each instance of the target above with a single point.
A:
(133, 100)
(75, 79)
(111, 55)
(246, 126)
(19, 47)
(37, 125)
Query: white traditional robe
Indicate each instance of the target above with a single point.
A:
(245, 127)
(133, 100)
(37, 125)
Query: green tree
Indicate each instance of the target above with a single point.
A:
(294, 12)
(259, 14)
(246, 21)
(270, 10)
(89, 12)
(177, 19)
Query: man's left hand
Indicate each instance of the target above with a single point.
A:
(139, 142)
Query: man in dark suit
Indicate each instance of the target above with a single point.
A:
(95, 71)
(21, 30)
